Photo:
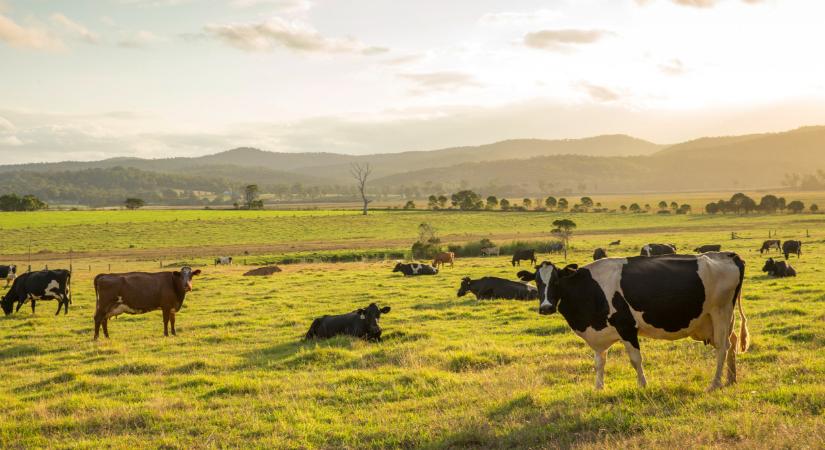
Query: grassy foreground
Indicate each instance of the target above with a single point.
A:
(451, 372)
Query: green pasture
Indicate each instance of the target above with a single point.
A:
(450, 373)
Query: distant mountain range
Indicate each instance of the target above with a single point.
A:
(601, 164)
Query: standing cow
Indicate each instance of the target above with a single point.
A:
(223, 261)
(139, 293)
(792, 248)
(669, 297)
(41, 285)
(9, 273)
(769, 244)
(490, 251)
(444, 258)
(524, 255)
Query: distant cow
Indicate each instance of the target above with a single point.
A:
(362, 323)
(524, 255)
(41, 285)
(555, 247)
(619, 242)
(599, 253)
(769, 244)
(488, 288)
(658, 249)
(8, 273)
(490, 251)
(707, 248)
(139, 293)
(669, 297)
(778, 269)
(223, 260)
(413, 269)
(792, 248)
(444, 258)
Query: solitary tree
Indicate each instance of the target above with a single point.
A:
(623, 208)
(562, 204)
(442, 201)
(409, 205)
(492, 202)
(587, 202)
(662, 204)
(527, 203)
(432, 202)
(564, 229)
(361, 173)
(134, 203)
(550, 202)
(505, 204)
(796, 206)
(814, 208)
(635, 208)
(251, 196)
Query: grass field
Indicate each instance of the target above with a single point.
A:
(451, 372)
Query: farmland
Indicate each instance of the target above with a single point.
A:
(451, 372)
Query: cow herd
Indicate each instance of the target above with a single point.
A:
(659, 294)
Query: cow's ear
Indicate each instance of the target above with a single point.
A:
(525, 275)
(196, 272)
(570, 270)
(385, 309)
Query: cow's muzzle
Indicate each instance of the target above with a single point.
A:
(546, 308)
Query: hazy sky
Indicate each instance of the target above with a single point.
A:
(88, 79)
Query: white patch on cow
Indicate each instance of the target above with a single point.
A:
(545, 272)
(545, 302)
(415, 268)
(646, 250)
(121, 308)
(363, 317)
(608, 274)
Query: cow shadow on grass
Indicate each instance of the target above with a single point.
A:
(19, 351)
(589, 418)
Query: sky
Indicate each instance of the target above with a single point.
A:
(93, 79)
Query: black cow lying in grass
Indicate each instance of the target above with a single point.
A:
(778, 269)
(488, 288)
(362, 323)
(413, 269)
(708, 248)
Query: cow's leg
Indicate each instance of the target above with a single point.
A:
(166, 322)
(732, 358)
(721, 340)
(172, 322)
(601, 360)
(97, 326)
(635, 355)
(59, 306)
(34, 303)
(66, 302)
(106, 327)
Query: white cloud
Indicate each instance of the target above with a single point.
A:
(139, 39)
(26, 37)
(75, 28)
(599, 93)
(294, 35)
(562, 39)
(6, 125)
(440, 81)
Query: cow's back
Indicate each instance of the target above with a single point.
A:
(138, 289)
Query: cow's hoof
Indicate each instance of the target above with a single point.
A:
(714, 387)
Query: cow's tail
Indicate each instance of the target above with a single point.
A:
(744, 336)
(97, 292)
(69, 287)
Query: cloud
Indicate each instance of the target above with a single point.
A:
(294, 35)
(562, 39)
(674, 67)
(404, 59)
(75, 28)
(506, 18)
(22, 37)
(440, 81)
(139, 39)
(6, 125)
(599, 93)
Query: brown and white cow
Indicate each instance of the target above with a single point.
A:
(444, 258)
(139, 293)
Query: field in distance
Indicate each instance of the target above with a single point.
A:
(451, 372)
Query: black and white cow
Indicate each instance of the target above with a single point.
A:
(778, 269)
(658, 249)
(414, 269)
(667, 297)
(488, 288)
(8, 273)
(223, 261)
(792, 248)
(362, 323)
(42, 285)
(524, 255)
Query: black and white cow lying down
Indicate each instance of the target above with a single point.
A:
(665, 297)
(413, 269)
(778, 269)
(42, 285)
(488, 288)
(362, 323)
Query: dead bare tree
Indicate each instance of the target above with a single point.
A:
(361, 173)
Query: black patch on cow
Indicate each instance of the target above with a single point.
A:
(583, 303)
(623, 321)
(667, 289)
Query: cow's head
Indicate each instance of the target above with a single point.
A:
(770, 266)
(7, 303)
(398, 267)
(465, 286)
(370, 315)
(548, 282)
(185, 276)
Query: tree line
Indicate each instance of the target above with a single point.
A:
(769, 204)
